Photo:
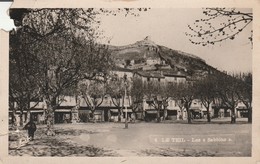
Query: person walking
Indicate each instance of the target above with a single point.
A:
(31, 128)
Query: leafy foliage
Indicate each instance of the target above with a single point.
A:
(24, 77)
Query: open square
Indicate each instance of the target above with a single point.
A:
(141, 139)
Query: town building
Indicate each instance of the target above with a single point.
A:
(150, 76)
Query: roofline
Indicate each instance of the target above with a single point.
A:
(121, 69)
(162, 77)
(174, 75)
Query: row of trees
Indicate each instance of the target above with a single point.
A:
(222, 90)
(51, 51)
(218, 89)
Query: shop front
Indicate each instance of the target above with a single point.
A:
(62, 115)
(172, 114)
(151, 115)
(196, 113)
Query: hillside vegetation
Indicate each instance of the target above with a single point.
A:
(139, 52)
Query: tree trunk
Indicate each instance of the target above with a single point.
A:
(50, 125)
(250, 115)
(164, 114)
(93, 115)
(109, 115)
(135, 116)
(189, 115)
(13, 118)
(28, 116)
(50, 121)
(21, 118)
(208, 115)
(182, 114)
(233, 116)
(158, 115)
(142, 115)
(119, 115)
(187, 107)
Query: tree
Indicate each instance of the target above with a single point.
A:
(158, 95)
(116, 90)
(167, 93)
(185, 92)
(62, 42)
(153, 95)
(93, 93)
(23, 76)
(245, 92)
(77, 63)
(247, 98)
(206, 91)
(137, 95)
(227, 88)
(218, 25)
(180, 104)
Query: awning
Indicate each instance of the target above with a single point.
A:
(241, 108)
(63, 110)
(195, 109)
(31, 111)
(128, 110)
(123, 110)
(151, 111)
(172, 109)
(114, 110)
(36, 111)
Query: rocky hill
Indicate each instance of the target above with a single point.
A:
(147, 55)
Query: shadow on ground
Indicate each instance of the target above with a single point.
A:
(99, 140)
(56, 146)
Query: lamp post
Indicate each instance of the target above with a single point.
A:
(126, 117)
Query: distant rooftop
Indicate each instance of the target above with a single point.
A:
(173, 73)
(121, 69)
(153, 74)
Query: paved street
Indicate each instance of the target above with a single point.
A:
(142, 139)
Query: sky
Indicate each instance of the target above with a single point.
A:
(167, 27)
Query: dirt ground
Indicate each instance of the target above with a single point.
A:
(219, 138)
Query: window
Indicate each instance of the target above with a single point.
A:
(148, 78)
(159, 79)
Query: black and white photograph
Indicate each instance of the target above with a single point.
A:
(130, 82)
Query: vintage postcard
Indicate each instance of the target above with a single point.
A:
(130, 81)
